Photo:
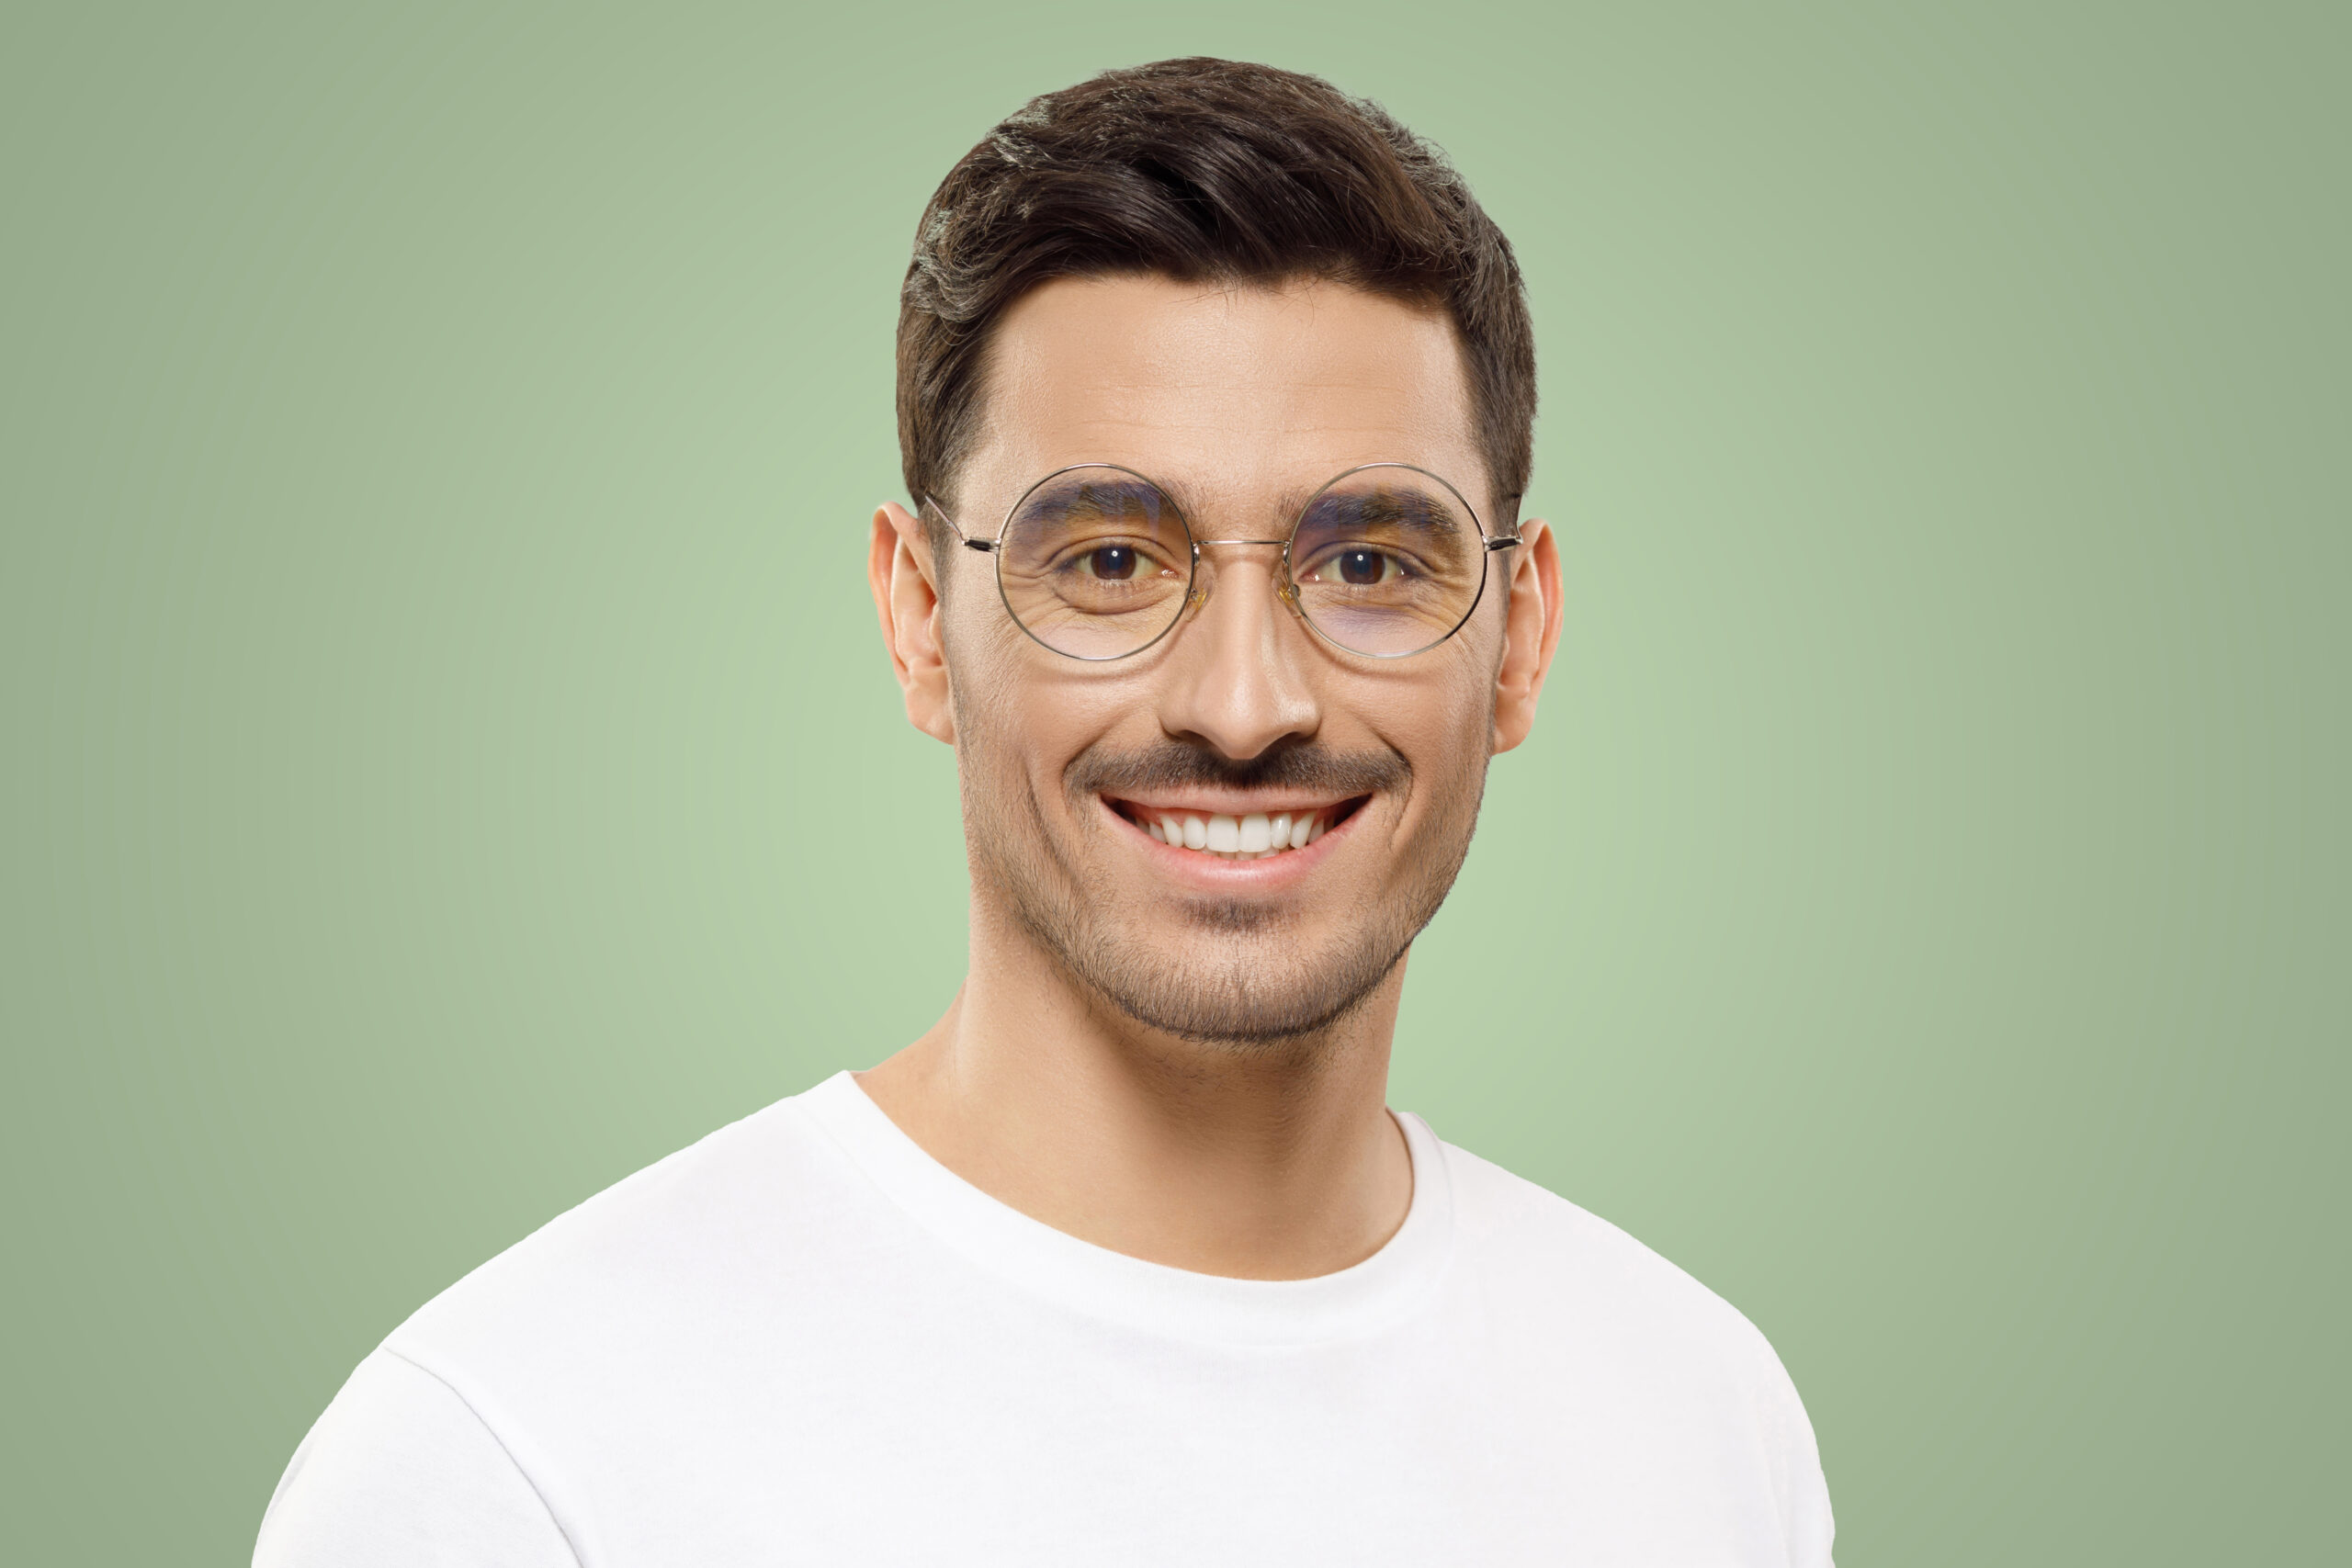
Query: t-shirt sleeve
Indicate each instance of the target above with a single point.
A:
(401, 1471)
(1796, 1465)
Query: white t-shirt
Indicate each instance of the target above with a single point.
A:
(803, 1340)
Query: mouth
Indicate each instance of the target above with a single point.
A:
(1236, 836)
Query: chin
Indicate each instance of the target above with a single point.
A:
(1246, 980)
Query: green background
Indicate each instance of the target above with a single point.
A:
(450, 763)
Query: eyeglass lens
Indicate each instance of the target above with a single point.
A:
(1386, 561)
(1097, 562)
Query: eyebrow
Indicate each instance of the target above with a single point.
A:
(1287, 505)
(1112, 496)
(1411, 507)
(1399, 506)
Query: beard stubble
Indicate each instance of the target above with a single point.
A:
(1236, 973)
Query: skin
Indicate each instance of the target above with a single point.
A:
(1171, 1055)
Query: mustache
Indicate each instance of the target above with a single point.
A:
(1299, 765)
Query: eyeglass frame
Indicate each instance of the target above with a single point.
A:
(1286, 588)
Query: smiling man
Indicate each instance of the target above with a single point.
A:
(1216, 391)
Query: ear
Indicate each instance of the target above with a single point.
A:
(1530, 633)
(898, 568)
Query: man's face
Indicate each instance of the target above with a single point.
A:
(1240, 402)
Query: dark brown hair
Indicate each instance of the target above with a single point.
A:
(1204, 170)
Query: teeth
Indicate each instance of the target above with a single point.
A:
(1254, 837)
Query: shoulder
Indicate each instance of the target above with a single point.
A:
(458, 1439)
(1564, 1261)
(743, 1216)
(399, 1470)
(1593, 1315)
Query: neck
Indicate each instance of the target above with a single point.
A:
(1269, 1161)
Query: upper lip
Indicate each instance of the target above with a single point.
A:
(1227, 803)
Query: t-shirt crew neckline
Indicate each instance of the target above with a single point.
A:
(1152, 1297)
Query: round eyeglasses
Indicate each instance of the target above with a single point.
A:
(1096, 561)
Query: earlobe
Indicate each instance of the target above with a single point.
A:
(1532, 633)
(897, 571)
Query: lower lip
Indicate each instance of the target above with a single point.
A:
(1215, 872)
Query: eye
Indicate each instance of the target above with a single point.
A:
(1112, 563)
(1359, 566)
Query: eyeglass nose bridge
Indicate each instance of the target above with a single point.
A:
(1285, 588)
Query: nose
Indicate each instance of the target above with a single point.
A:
(1238, 676)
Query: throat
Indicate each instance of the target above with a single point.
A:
(1245, 1168)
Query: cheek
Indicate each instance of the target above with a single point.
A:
(980, 647)
(1017, 718)
(987, 720)
(1445, 696)
(1445, 745)
(1442, 728)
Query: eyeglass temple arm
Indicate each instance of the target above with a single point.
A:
(983, 546)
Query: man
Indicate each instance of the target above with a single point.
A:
(1216, 394)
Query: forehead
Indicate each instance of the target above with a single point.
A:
(1235, 395)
